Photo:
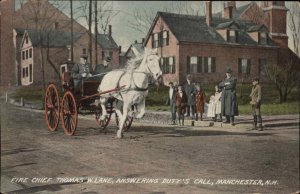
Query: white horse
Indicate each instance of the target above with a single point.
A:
(135, 78)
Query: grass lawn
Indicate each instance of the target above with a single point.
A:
(156, 99)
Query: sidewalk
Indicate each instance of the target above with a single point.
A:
(163, 118)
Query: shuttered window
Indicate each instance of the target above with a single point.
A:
(244, 66)
(209, 65)
(199, 64)
(167, 65)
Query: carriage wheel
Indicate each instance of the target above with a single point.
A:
(69, 113)
(52, 107)
(127, 123)
(103, 123)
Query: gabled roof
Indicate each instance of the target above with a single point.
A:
(227, 25)
(188, 28)
(106, 41)
(134, 50)
(258, 28)
(56, 38)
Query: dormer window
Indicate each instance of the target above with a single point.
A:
(232, 36)
(263, 38)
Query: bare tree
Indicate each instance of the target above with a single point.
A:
(285, 77)
(103, 14)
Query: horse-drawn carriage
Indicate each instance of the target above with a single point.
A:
(128, 87)
(64, 103)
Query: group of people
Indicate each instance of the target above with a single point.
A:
(190, 99)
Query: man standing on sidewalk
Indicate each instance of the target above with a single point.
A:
(255, 103)
(190, 91)
(229, 104)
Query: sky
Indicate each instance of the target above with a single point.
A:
(124, 35)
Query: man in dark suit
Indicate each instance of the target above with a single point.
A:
(229, 106)
(104, 67)
(190, 91)
(80, 71)
(172, 102)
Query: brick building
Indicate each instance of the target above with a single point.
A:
(205, 46)
(16, 70)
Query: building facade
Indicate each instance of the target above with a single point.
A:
(205, 46)
(28, 71)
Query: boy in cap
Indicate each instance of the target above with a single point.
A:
(255, 102)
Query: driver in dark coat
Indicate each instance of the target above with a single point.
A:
(80, 71)
(229, 101)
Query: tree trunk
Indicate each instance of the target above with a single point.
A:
(72, 42)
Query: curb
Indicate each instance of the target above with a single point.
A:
(163, 118)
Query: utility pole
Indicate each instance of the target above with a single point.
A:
(90, 33)
(72, 35)
(96, 31)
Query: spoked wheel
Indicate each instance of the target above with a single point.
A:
(103, 123)
(69, 113)
(52, 107)
(127, 123)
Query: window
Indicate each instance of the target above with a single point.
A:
(232, 36)
(26, 39)
(155, 40)
(56, 25)
(165, 38)
(263, 38)
(167, 64)
(198, 64)
(193, 66)
(30, 53)
(30, 73)
(171, 64)
(262, 64)
(26, 72)
(23, 72)
(23, 55)
(26, 54)
(84, 51)
(244, 66)
(209, 64)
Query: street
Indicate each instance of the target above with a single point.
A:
(149, 159)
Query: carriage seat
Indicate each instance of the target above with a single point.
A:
(67, 79)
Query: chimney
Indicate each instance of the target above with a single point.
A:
(143, 40)
(109, 30)
(229, 8)
(135, 42)
(120, 49)
(208, 10)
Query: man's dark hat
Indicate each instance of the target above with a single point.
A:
(84, 56)
(228, 70)
(107, 59)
